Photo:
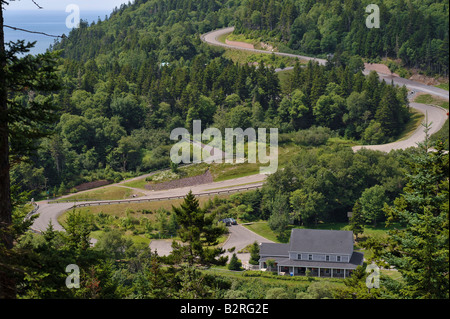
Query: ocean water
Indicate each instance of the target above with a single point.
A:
(48, 21)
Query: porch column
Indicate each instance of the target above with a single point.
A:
(331, 272)
(318, 273)
(345, 270)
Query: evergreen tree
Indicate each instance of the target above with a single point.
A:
(234, 264)
(420, 249)
(357, 220)
(254, 254)
(21, 124)
(198, 230)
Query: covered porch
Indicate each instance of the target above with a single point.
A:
(289, 267)
(314, 271)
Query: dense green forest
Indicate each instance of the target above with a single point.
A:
(414, 31)
(117, 267)
(126, 82)
(129, 80)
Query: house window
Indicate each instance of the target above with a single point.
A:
(310, 257)
(338, 258)
(299, 256)
(327, 258)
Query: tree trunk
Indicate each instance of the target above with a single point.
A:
(5, 197)
(7, 286)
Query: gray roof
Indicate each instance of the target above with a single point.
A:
(321, 241)
(273, 249)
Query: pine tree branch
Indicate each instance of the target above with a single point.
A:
(36, 32)
(37, 4)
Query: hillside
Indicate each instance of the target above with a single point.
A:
(100, 109)
(130, 80)
(416, 32)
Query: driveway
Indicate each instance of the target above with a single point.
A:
(239, 237)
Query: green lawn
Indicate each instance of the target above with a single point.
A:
(106, 193)
(443, 86)
(412, 125)
(137, 239)
(223, 37)
(431, 99)
(137, 210)
(242, 38)
(262, 228)
(138, 183)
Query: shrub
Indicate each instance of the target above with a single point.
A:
(235, 263)
(277, 293)
(313, 136)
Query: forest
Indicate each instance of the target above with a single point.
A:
(414, 31)
(130, 80)
(111, 92)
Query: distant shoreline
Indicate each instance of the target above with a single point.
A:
(49, 21)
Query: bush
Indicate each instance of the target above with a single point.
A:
(277, 293)
(318, 290)
(235, 263)
(373, 134)
(254, 254)
(313, 136)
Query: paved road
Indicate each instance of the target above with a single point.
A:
(50, 212)
(240, 236)
(435, 115)
(211, 38)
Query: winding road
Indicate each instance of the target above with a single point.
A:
(239, 235)
(435, 115)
